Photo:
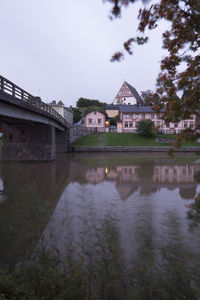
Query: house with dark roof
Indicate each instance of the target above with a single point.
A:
(131, 114)
(65, 112)
(127, 95)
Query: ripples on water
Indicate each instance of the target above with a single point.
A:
(127, 223)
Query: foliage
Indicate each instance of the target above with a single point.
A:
(113, 121)
(180, 69)
(145, 128)
(84, 102)
(147, 97)
(77, 115)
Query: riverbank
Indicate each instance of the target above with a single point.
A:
(138, 150)
(113, 139)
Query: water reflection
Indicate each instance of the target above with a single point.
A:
(153, 192)
(150, 178)
(2, 196)
(121, 214)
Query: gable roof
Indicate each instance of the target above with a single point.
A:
(94, 110)
(134, 92)
(60, 103)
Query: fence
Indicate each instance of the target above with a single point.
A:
(19, 94)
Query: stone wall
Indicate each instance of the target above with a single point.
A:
(76, 132)
(195, 150)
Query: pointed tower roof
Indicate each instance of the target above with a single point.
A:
(60, 103)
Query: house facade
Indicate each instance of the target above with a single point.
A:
(112, 110)
(127, 95)
(65, 112)
(131, 114)
(95, 119)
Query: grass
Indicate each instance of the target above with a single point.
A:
(127, 139)
(88, 140)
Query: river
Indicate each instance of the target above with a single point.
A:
(136, 214)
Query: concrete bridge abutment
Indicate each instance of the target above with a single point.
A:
(28, 142)
(62, 141)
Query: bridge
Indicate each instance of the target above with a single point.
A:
(32, 130)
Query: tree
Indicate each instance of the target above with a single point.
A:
(147, 97)
(180, 70)
(84, 102)
(145, 128)
(77, 115)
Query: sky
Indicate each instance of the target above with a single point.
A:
(61, 49)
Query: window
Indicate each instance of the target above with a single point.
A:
(99, 121)
(143, 116)
(126, 124)
(137, 116)
(191, 125)
(158, 123)
(126, 116)
(90, 121)
(185, 124)
(95, 113)
(167, 125)
(152, 116)
(175, 125)
(131, 124)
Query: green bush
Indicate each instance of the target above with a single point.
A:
(145, 128)
(113, 121)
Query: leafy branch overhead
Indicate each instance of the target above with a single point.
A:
(178, 83)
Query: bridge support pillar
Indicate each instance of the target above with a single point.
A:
(28, 142)
(62, 141)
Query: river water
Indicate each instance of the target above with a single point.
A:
(135, 216)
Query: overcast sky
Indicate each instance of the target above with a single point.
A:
(61, 49)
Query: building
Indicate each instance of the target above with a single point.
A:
(112, 110)
(131, 114)
(65, 112)
(127, 95)
(95, 119)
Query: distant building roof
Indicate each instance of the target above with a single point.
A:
(135, 93)
(60, 103)
(86, 113)
(136, 109)
(112, 107)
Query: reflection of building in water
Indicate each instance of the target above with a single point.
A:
(174, 174)
(160, 174)
(95, 175)
(148, 177)
(2, 196)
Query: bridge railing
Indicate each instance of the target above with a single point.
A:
(8, 87)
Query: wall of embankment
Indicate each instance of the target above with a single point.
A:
(193, 150)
